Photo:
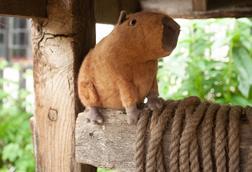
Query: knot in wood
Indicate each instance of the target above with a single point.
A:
(53, 114)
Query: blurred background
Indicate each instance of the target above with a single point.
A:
(213, 60)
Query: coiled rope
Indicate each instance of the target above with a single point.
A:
(203, 137)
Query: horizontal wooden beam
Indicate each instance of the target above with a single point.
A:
(199, 5)
(107, 11)
(23, 8)
(112, 145)
(195, 10)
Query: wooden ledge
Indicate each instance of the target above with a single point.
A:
(112, 145)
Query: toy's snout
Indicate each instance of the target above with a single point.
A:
(170, 33)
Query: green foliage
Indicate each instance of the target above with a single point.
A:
(213, 60)
(104, 170)
(15, 137)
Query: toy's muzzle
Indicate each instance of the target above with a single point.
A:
(170, 33)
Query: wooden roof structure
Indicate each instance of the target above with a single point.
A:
(107, 11)
(63, 31)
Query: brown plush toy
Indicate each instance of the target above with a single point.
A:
(121, 70)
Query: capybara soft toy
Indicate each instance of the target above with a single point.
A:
(120, 72)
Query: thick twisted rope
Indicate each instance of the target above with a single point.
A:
(194, 122)
(193, 156)
(203, 137)
(187, 134)
(155, 139)
(162, 122)
(249, 117)
(160, 160)
(158, 125)
(234, 139)
(220, 139)
(176, 132)
(207, 137)
(140, 144)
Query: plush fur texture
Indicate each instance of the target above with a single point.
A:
(121, 70)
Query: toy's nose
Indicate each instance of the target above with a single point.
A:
(170, 33)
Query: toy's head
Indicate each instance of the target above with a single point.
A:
(147, 35)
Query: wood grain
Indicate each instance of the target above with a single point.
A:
(112, 144)
(26, 8)
(199, 5)
(188, 9)
(59, 45)
(107, 11)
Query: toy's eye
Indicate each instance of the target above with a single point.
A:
(132, 22)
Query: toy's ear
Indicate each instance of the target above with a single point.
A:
(122, 17)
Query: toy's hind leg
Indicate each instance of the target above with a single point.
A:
(93, 115)
(89, 97)
(133, 114)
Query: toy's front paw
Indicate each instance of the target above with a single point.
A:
(94, 116)
(155, 103)
(133, 115)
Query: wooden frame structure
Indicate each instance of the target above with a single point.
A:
(107, 11)
(63, 32)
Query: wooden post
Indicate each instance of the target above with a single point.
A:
(59, 45)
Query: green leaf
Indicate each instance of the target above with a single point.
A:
(11, 152)
(243, 64)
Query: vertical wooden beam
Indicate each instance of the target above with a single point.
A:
(59, 45)
(199, 5)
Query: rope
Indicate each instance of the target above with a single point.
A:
(185, 140)
(188, 145)
(220, 139)
(202, 136)
(234, 139)
(177, 130)
(140, 146)
(158, 124)
(249, 117)
(207, 137)
(194, 121)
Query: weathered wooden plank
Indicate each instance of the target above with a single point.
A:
(59, 45)
(170, 7)
(185, 9)
(107, 11)
(112, 144)
(25, 8)
(199, 5)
